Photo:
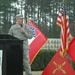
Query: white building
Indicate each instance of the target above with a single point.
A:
(53, 43)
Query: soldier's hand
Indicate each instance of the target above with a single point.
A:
(22, 29)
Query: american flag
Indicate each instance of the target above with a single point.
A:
(63, 22)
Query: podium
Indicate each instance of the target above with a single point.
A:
(12, 55)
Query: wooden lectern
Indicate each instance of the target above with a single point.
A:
(12, 55)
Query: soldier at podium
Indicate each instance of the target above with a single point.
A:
(22, 32)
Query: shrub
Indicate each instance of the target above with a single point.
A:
(42, 59)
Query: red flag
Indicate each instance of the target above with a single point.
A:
(37, 41)
(58, 66)
(63, 22)
(71, 49)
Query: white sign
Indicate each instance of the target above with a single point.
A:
(1, 52)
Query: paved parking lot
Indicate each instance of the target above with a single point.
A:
(35, 72)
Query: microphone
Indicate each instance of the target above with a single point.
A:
(21, 25)
(22, 28)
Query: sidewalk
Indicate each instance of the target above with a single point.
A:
(35, 72)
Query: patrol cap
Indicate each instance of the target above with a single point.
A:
(19, 16)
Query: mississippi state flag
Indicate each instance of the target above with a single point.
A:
(38, 40)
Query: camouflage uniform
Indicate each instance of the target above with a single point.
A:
(27, 34)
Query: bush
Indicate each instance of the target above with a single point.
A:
(73, 64)
(42, 59)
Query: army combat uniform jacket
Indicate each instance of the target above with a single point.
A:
(27, 34)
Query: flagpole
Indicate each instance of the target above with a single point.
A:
(64, 25)
(64, 28)
(63, 52)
